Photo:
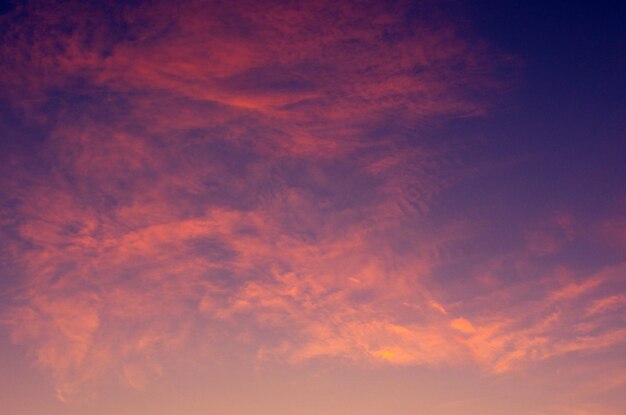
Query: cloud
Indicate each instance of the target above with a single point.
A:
(252, 179)
(550, 236)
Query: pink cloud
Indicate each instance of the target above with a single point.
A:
(241, 187)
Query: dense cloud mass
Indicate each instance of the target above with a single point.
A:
(265, 181)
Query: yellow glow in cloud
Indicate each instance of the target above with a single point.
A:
(463, 325)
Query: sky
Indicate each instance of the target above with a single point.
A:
(312, 207)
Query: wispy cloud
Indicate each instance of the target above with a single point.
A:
(252, 176)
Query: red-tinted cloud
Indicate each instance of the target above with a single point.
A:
(251, 178)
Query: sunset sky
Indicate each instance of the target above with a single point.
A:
(322, 207)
